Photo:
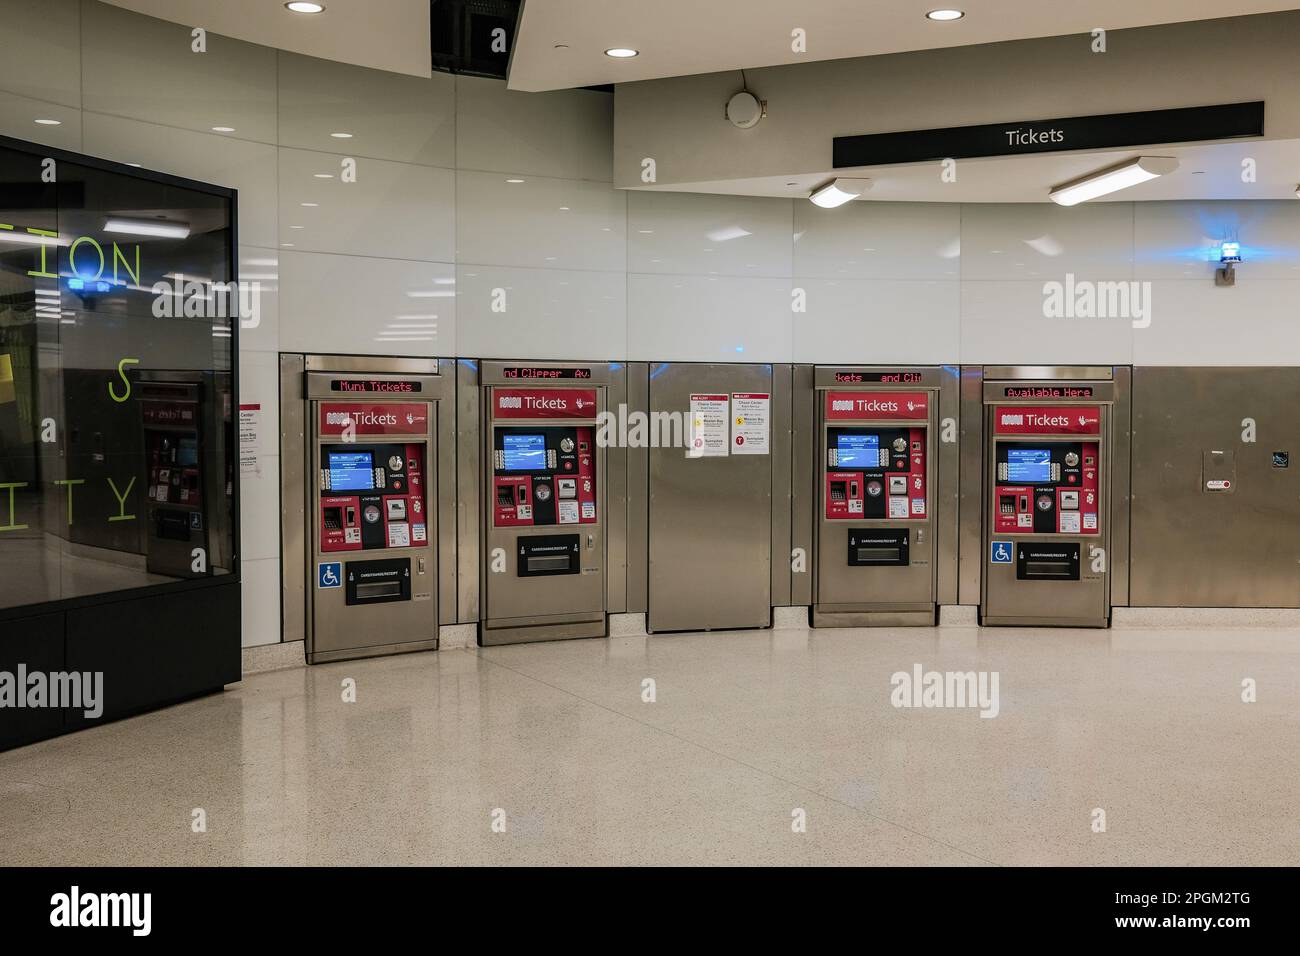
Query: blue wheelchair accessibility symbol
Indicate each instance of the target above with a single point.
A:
(329, 575)
(1000, 552)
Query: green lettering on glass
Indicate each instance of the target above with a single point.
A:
(43, 274)
(72, 257)
(70, 482)
(121, 366)
(117, 255)
(12, 486)
(121, 500)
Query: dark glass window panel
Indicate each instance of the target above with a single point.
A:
(117, 447)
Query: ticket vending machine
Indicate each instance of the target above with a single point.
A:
(1047, 528)
(877, 530)
(372, 513)
(544, 554)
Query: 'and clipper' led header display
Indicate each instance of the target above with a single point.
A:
(537, 372)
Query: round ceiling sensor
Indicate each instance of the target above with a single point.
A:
(745, 110)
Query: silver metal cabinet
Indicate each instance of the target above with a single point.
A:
(710, 515)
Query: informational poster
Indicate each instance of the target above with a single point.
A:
(250, 439)
(751, 420)
(707, 435)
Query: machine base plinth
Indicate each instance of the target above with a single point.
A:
(824, 615)
(992, 621)
(491, 634)
(378, 650)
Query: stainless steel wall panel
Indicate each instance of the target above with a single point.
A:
(782, 474)
(616, 499)
(803, 482)
(1192, 547)
(468, 494)
(293, 500)
(638, 496)
(970, 504)
(1121, 485)
(710, 520)
(947, 496)
(444, 450)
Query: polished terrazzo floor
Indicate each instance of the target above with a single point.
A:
(746, 728)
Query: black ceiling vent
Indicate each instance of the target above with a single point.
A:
(473, 36)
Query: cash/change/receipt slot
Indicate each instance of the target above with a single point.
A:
(543, 561)
(1045, 552)
(875, 548)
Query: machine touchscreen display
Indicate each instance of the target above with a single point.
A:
(351, 470)
(1029, 465)
(524, 452)
(858, 451)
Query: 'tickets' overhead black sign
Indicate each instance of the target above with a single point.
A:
(1117, 130)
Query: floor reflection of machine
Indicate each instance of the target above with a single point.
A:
(374, 522)
(175, 483)
(544, 559)
(1047, 459)
(878, 530)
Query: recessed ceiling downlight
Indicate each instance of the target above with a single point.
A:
(944, 16)
(301, 6)
(621, 52)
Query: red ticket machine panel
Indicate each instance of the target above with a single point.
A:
(875, 470)
(373, 490)
(543, 475)
(1047, 485)
(544, 469)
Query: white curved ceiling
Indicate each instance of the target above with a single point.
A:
(561, 43)
(382, 34)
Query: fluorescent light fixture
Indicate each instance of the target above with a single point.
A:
(1113, 179)
(223, 129)
(945, 16)
(28, 239)
(621, 52)
(341, 135)
(309, 205)
(514, 180)
(49, 122)
(839, 191)
(302, 6)
(148, 227)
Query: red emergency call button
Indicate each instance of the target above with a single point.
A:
(568, 466)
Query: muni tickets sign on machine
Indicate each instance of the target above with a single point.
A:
(373, 512)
